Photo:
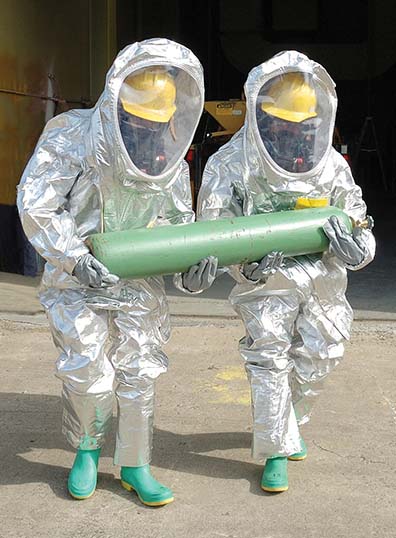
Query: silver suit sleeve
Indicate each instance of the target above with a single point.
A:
(43, 193)
(348, 196)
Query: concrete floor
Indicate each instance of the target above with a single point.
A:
(346, 487)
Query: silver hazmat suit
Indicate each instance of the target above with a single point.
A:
(298, 319)
(82, 180)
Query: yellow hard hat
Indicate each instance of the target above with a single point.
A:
(291, 98)
(149, 94)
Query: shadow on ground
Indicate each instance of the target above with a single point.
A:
(34, 449)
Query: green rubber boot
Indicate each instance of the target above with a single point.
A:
(149, 491)
(299, 456)
(274, 477)
(83, 474)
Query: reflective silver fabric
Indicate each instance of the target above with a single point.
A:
(297, 320)
(79, 181)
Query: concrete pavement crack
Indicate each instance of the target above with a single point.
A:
(348, 456)
(327, 450)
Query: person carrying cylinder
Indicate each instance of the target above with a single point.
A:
(116, 166)
(294, 310)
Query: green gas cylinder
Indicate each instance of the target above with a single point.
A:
(143, 252)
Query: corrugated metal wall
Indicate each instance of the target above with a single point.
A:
(48, 50)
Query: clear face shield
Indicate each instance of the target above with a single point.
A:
(158, 110)
(293, 117)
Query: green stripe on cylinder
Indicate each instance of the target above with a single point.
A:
(144, 252)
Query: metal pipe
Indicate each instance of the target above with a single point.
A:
(44, 97)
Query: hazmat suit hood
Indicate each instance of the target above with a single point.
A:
(263, 98)
(110, 145)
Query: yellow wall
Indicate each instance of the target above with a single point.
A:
(73, 42)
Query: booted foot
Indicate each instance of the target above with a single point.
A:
(274, 477)
(149, 491)
(83, 474)
(299, 456)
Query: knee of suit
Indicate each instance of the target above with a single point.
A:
(85, 373)
(269, 367)
(265, 346)
(95, 385)
(141, 368)
(312, 370)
